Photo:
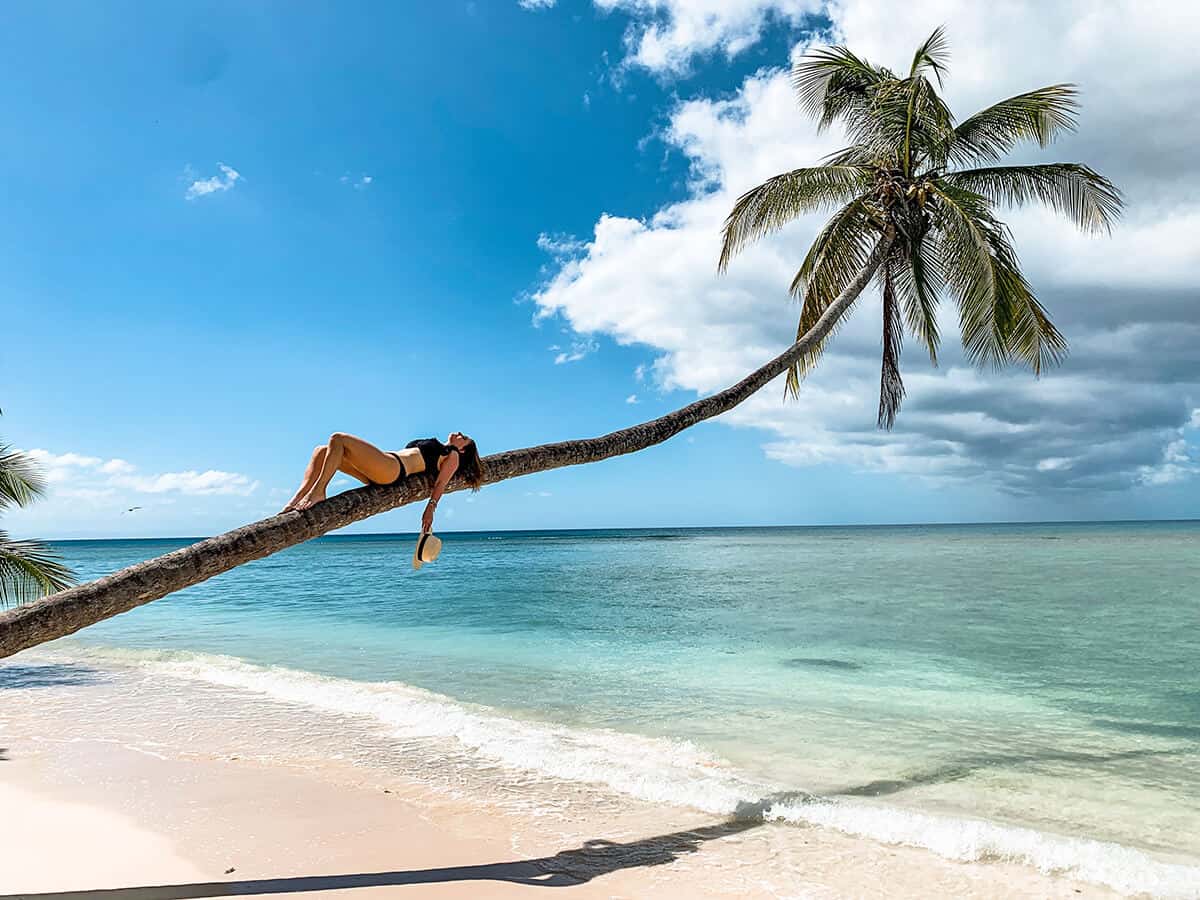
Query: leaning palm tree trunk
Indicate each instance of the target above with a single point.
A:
(68, 611)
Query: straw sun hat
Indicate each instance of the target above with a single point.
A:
(427, 549)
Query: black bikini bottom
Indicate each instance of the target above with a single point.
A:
(403, 474)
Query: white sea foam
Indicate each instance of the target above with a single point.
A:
(1124, 869)
(667, 771)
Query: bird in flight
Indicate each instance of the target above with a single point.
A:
(131, 509)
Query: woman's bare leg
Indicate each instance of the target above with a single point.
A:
(350, 469)
(315, 464)
(311, 474)
(346, 452)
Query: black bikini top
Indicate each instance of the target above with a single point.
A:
(432, 450)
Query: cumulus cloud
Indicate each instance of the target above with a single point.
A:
(90, 477)
(664, 36)
(224, 181)
(1113, 416)
(536, 4)
(116, 467)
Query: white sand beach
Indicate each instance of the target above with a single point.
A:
(154, 801)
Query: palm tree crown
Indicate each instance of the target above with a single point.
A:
(925, 188)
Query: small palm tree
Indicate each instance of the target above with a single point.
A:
(911, 216)
(28, 569)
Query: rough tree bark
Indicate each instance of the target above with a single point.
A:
(68, 611)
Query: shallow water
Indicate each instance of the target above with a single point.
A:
(985, 691)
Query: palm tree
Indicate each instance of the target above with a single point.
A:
(915, 196)
(927, 228)
(28, 569)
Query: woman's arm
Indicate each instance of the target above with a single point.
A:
(446, 470)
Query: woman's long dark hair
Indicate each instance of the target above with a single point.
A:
(470, 466)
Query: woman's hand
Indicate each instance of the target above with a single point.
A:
(427, 517)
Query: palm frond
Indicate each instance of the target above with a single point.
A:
(836, 256)
(21, 482)
(1000, 318)
(919, 283)
(832, 82)
(891, 387)
(933, 55)
(29, 569)
(928, 125)
(1086, 197)
(1034, 116)
(853, 155)
(780, 199)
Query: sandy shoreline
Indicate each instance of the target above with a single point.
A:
(153, 792)
(187, 828)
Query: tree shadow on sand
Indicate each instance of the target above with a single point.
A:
(564, 869)
(16, 676)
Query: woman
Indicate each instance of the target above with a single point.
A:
(370, 465)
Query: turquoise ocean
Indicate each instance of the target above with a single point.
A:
(1025, 692)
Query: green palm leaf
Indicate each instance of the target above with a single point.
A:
(933, 55)
(29, 569)
(891, 387)
(778, 200)
(1001, 320)
(838, 254)
(920, 283)
(1084, 196)
(20, 481)
(1038, 116)
(832, 82)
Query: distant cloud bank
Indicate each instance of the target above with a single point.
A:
(78, 476)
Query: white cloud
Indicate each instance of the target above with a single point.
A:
(1105, 420)
(665, 35)
(59, 467)
(579, 349)
(359, 183)
(1177, 464)
(632, 398)
(560, 245)
(227, 178)
(211, 481)
(80, 476)
(1053, 463)
(536, 4)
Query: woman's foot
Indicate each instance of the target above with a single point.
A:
(310, 499)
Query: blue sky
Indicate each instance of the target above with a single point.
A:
(233, 228)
